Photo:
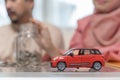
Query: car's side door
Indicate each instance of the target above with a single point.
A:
(85, 58)
(74, 60)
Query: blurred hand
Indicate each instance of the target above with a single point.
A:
(45, 41)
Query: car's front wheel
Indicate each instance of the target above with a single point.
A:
(61, 66)
(97, 66)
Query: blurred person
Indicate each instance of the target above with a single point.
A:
(20, 12)
(100, 30)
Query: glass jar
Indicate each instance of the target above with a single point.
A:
(28, 51)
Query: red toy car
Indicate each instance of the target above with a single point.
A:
(75, 58)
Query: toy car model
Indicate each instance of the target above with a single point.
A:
(76, 58)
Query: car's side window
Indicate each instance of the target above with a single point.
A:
(86, 52)
(97, 52)
(92, 52)
(81, 52)
(76, 52)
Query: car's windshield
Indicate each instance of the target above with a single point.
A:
(68, 52)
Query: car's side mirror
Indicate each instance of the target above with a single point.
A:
(71, 54)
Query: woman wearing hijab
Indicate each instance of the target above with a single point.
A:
(100, 30)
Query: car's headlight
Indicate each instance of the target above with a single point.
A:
(61, 58)
(54, 59)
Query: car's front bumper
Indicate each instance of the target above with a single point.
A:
(53, 64)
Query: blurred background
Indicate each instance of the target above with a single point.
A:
(62, 13)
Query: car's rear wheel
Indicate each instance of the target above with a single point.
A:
(97, 66)
(61, 66)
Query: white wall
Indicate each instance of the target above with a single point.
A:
(65, 13)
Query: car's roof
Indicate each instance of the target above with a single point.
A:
(83, 49)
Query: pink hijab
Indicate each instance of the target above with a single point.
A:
(104, 33)
(100, 31)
